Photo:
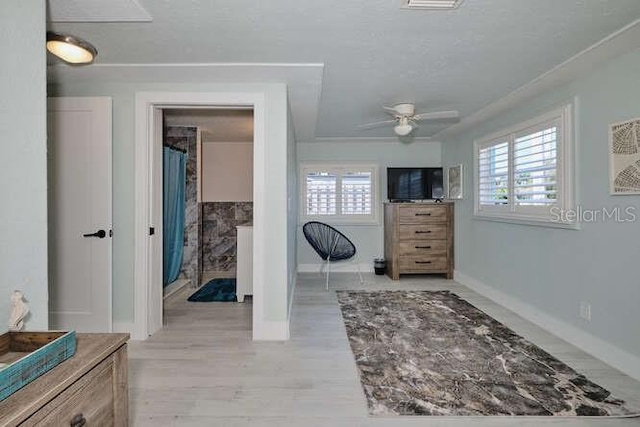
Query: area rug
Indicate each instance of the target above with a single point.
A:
(433, 353)
(215, 290)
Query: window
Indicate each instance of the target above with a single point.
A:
(524, 174)
(339, 193)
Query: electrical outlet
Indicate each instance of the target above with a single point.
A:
(585, 310)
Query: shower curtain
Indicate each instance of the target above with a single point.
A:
(174, 183)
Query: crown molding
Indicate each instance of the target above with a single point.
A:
(360, 139)
(622, 41)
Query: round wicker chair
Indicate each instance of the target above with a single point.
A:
(329, 244)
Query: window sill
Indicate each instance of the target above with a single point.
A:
(529, 221)
(374, 222)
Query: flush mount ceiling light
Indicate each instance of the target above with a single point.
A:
(72, 50)
(430, 4)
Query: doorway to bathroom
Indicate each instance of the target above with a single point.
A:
(215, 189)
(218, 191)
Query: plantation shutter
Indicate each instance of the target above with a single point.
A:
(356, 193)
(535, 166)
(322, 193)
(493, 174)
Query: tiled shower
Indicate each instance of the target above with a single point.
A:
(219, 221)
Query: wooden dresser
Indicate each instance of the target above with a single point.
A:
(418, 238)
(89, 389)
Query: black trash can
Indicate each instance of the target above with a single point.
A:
(379, 265)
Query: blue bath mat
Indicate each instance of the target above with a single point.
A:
(215, 290)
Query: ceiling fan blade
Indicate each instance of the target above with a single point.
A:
(376, 124)
(390, 110)
(435, 115)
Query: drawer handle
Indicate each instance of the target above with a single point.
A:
(423, 262)
(424, 214)
(423, 231)
(423, 247)
(78, 420)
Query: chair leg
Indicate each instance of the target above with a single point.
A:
(328, 271)
(333, 248)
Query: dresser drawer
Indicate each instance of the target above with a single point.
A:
(423, 248)
(90, 399)
(422, 232)
(421, 214)
(417, 264)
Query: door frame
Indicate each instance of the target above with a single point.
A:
(148, 299)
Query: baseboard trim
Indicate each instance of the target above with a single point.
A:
(268, 330)
(338, 267)
(603, 350)
(293, 291)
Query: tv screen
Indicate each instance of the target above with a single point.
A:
(405, 184)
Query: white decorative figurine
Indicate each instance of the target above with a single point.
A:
(19, 311)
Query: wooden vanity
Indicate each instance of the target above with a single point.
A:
(89, 389)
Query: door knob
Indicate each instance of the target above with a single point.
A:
(101, 234)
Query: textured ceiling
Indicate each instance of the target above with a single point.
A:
(96, 11)
(373, 52)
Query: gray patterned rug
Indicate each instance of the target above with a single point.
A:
(433, 353)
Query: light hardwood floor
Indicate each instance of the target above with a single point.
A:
(203, 369)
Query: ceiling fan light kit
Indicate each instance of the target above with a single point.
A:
(403, 130)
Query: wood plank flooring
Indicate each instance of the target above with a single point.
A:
(203, 369)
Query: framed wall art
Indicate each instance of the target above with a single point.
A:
(624, 157)
(455, 182)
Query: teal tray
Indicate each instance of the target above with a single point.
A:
(31, 354)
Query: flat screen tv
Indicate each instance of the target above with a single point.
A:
(409, 184)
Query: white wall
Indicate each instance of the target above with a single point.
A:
(545, 273)
(23, 162)
(123, 95)
(369, 239)
(227, 171)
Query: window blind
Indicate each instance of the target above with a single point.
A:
(493, 174)
(356, 193)
(321, 193)
(535, 166)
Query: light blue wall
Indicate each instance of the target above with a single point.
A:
(554, 269)
(123, 95)
(23, 160)
(369, 239)
(292, 211)
(276, 191)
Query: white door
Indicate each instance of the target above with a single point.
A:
(79, 151)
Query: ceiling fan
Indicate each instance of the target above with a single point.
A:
(405, 118)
